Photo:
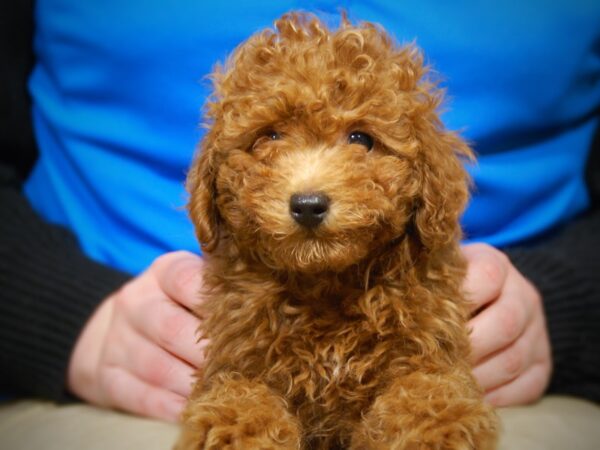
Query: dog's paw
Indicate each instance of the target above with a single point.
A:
(411, 432)
(451, 441)
(239, 436)
(237, 414)
(425, 412)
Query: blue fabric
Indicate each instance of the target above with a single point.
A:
(118, 89)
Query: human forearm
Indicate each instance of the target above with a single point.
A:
(49, 290)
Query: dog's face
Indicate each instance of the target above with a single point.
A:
(324, 147)
(305, 199)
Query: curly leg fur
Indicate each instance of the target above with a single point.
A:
(237, 414)
(428, 412)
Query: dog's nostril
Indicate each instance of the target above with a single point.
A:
(310, 209)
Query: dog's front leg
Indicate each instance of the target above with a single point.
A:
(429, 411)
(237, 413)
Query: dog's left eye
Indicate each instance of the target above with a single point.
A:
(272, 135)
(358, 137)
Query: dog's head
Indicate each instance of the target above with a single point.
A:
(323, 147)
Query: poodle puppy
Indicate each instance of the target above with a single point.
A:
(326, 198)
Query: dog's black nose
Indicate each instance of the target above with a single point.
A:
(310, 209)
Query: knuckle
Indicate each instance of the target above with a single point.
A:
(127, 297)
(157, 265)
(178, 273)
(481, 247)
(163, 262)
(496, 398)
(171, 327)
(510, 324)
(493, 269)
(184, 278)
(513, 363)
(168, 259)
(159, 371)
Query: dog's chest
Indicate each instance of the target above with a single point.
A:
(331, 362)
(335, 367)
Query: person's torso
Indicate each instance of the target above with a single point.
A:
(118, 89)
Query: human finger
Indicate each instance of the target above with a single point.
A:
(152, 364)
(524, 389)
(179, 276)
(126, 392)
(498, 325)
(171, 327)
(487, 270)
(506, 364)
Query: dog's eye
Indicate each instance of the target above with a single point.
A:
(266, 136)
(272, 135)
(358, 137)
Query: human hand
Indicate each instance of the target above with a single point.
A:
(510, 345)
(139, 351)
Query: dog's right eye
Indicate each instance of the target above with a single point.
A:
(358, 137)
(269, 135)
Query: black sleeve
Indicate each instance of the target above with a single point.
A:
(566, 271)
(49, 288)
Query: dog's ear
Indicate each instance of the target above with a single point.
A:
(444, 185)
(200, 184)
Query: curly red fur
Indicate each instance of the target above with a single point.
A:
(353, 334)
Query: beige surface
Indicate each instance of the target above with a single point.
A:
(43, 426)
(556, 423)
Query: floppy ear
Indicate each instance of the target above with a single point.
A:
(200, 184)
(444, 186)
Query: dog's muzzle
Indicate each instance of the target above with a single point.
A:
(309, 209)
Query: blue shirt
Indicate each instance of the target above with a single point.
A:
(118, 89)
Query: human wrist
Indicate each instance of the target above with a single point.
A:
(83, 363)
(566, 302)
